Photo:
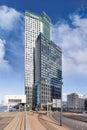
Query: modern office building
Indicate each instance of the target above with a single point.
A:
(48, 71)
(43, 62)
(75, 102)
(33, 26)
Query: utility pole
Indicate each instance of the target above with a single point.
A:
(61, 104)
(47, 108)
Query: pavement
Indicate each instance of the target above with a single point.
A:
(5, 119)
(17, 123)
(40, 121)
(12, 121)
(28, 121)
(72, 124)
(34, 123)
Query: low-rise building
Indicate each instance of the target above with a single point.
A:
(75, 102)
(16, 100)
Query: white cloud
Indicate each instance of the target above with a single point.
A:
(12, 31)
(8, 17)
(73, 39)
(3, 63)
(11, 50)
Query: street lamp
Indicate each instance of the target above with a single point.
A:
(61, 83)
(47, 107)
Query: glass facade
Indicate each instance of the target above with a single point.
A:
(48, 69)
(46, 25)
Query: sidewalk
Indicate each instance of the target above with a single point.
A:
(42, 122)
(34, 123)
(17, 122)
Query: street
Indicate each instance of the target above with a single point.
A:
(70, 123)
(12, 120)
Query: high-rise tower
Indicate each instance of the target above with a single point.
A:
(33, 26)
(48, 71)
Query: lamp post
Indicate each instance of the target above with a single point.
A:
(25, 117)
(47, 107)
(61, 83)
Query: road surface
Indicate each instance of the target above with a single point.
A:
(12, 121)
(70, 123)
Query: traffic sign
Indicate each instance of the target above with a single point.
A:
(56, 103)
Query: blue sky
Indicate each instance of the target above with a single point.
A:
(69, 24)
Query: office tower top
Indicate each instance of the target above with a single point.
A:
(46, 25)
(44, 20)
